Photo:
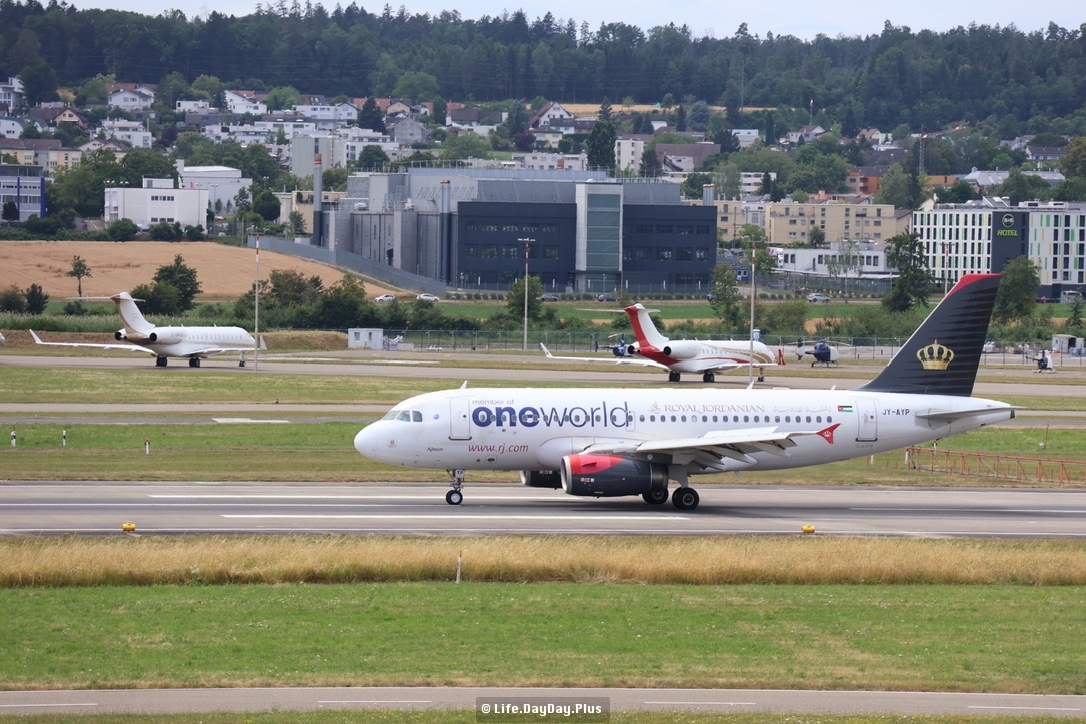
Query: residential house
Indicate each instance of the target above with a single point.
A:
(549, 112)
(551, 161)
(192, 106)
(685, 157)
(12, 97)
(1039, 154)
(131, 132)
(240, 102)
(138, 99)
(864, 180)
(790, 222)
(629, 147)
(49, 116)
(805, 134)
(12, 127)
(48, 153)
(746, 136)
(409, 131)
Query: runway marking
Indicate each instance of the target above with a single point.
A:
(1028, 708)
(457, 517)
(375, 701)
(993, 509)
(704, 703)
(20, 706)
(428, 496)
(246, 420)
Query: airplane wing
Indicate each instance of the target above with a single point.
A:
(710, 365)
(129, 347)
(611, 360)
(710, 449)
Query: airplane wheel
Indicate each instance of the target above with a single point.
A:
(708, 377)
(685, 498)
(454, 497)
(160, 361)
(761, 378)
(241, 364)
(194, 361)
(656, 496)
(673, 376)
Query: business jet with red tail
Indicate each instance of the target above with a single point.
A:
(613, 442)
(704, 357)
(139, 335)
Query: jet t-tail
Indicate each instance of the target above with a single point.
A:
(196, 343)
(614, 442)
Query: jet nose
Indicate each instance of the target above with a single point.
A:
(365, 441)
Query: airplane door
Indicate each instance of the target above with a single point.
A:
(868, 429)
(459, 419)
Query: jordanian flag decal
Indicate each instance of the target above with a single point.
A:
(844, 408)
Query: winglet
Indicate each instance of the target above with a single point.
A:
(545, 350)
(33, 334)
(262, 345)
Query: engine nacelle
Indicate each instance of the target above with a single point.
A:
(541, 478)
(166, 336)
(605, 476)
(682, 349)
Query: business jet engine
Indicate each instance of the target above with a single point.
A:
(541, 478)
(162, 336)
(682, 349)
(605, 476)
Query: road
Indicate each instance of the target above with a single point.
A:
(173, 701)
(95, 508)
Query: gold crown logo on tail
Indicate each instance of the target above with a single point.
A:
(935, 356)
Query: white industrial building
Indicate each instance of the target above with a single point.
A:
(156, 202)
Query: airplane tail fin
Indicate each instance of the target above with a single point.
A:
(644, 329)
(131, 317)
(943, 354)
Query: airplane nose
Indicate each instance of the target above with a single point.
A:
(365, 441)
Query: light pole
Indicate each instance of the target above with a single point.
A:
(524, 342)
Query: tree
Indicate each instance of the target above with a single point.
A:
(846, 261)
(79, 270)
(816, 237)
(693, 186)
(267, 205)
(600, 144)
(36, 299)
(514, 301)
(726, 301)
(122, 230)
(158, 298)
(372, 158)
(1074, 322)
(371, 117)
(905, 253)
(12, 300)
(182, 278)
(11, 212)
(651, 167)
(1017, 295)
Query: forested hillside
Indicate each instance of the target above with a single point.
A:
(1018, 82)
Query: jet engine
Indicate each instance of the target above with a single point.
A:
(682, 349)
(541, 478)
(611, 475)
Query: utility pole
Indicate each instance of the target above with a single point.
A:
(524, 343)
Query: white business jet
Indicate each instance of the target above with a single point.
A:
(195, 343)
(611, 442)
(707, 357)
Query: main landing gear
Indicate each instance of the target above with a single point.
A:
(673, 376)
(708, 377)
(455, 496)
(685, 498)
(194, 361)
(160, 361)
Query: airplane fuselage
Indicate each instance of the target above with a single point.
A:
(189, 341)
(533, 429)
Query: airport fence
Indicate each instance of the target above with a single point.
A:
(997, 467)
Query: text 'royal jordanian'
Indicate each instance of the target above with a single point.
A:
(610, 442)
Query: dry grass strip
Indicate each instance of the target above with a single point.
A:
(125, 560)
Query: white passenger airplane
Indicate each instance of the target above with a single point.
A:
(610, 442)
(652, 349)
(163, 342)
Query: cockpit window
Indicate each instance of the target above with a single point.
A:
(403, 415)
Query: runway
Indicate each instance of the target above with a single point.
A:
(485, 700)
(94, 508)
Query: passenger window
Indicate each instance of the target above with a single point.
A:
(746, 418)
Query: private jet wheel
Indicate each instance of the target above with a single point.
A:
(194, 361)
(241, 363)
(685, 498)
(656, 496)
(160, 361)
(672, 376)
(454, 497)
(761, 378)
(708, 377)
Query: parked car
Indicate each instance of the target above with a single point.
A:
(815, 297)
(384, 298)
(548, 298)
(429, 297)
(606, 297)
